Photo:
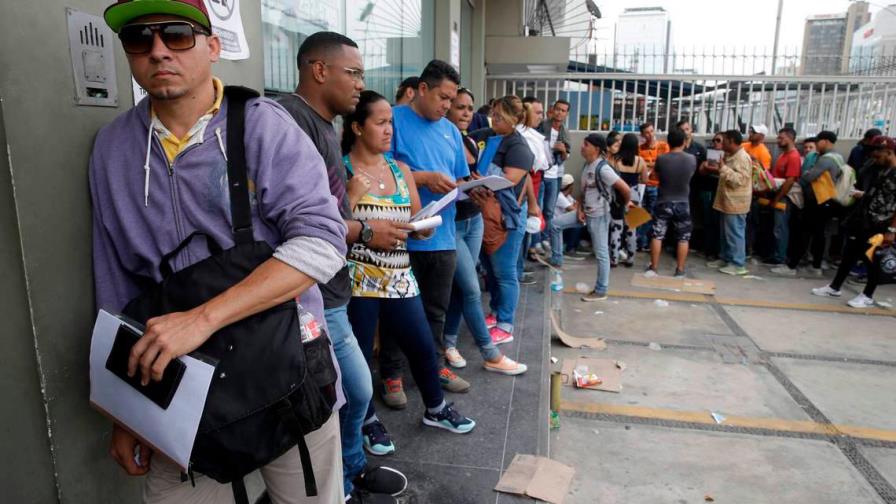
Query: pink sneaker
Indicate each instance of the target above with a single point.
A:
(491, 321)
(500, 336)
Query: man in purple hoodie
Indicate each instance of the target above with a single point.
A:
(157, 174)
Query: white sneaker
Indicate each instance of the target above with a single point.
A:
(861, 301)
(819, 272)
(784, 270)
(826, 291)
(454, 358)
(650, 273)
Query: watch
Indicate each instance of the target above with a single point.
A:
(366, 233)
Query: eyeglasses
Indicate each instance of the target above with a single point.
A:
(356, 74)
(176, 35)
(716, 140)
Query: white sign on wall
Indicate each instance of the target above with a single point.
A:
(228, 26)
(455, 49)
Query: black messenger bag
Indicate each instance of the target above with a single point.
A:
(275, 379)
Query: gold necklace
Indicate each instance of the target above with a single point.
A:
(382, 182)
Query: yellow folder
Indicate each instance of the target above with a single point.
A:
(636, 217)
(824, 188)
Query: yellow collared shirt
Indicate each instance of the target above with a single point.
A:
(173, 145)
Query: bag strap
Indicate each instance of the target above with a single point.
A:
(603, 188)
(288, 415)
(237, 171)
(240, 496)
(165, 263)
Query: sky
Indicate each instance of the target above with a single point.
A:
(704, 23)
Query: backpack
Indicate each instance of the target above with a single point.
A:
(617, 209)
(846, 184)
(275, 379)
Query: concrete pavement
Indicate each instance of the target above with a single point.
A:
(805, 385)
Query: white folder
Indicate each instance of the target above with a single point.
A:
(170, 431)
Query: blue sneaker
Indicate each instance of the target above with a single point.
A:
(450, 420)
(377, 440)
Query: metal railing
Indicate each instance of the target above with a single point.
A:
(730, 60)
(847, 105)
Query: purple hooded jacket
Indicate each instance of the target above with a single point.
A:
(289, 194)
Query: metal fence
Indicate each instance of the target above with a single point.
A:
(731, 60)
(847, 105)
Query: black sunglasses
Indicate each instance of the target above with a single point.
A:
(176, 35)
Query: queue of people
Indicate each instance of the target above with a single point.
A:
(325, 219)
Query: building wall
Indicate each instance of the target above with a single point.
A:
(641, 38)
(55, 447)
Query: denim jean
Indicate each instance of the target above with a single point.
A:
(599, 228)
(551, 190)
(782, 232)
(403, 321)
(358, 391)
(649, 201)
(733, 239)
(524, 243)
(433, 270)
(503, 278)
(466, 299)
(566, 220)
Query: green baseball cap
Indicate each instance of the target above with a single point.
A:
(124, 11)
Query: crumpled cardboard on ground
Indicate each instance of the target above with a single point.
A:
(575, 341)
(537, 477)
(608, 370)
(691, 285)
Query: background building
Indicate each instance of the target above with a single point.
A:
(827, 40)
(642, 39)
(874, 44)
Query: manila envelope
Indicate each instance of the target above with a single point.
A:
(636, 217)
(824, 188)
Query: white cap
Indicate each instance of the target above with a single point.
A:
(760, 128)
(567, 180)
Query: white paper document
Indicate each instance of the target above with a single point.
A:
(171, 431)
(492, 182)
(435, 207)
(427, 223)
(714, 155)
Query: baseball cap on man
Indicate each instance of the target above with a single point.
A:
(567, 181)
(760, 128)
(882, 142)
(597, 140)
(124, 11)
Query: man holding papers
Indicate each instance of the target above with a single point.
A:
(158, 173)
(432, 146)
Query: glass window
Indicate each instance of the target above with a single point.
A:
(396, 37)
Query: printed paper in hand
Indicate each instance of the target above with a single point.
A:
(428, 223)
(492, 182)
(714, 155)
(170, 431)
(435, 207)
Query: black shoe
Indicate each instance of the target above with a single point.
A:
(381, 480)
(360, 497)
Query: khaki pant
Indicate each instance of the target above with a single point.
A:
(282, 477)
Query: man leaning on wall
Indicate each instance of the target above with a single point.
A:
(159, 173)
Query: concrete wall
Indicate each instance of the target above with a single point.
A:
(54, 446)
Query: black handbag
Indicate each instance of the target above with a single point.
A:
(272, 384)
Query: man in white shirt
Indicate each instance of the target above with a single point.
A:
(554, 131)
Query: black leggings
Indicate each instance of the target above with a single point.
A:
(808, 226)
(854, 250)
